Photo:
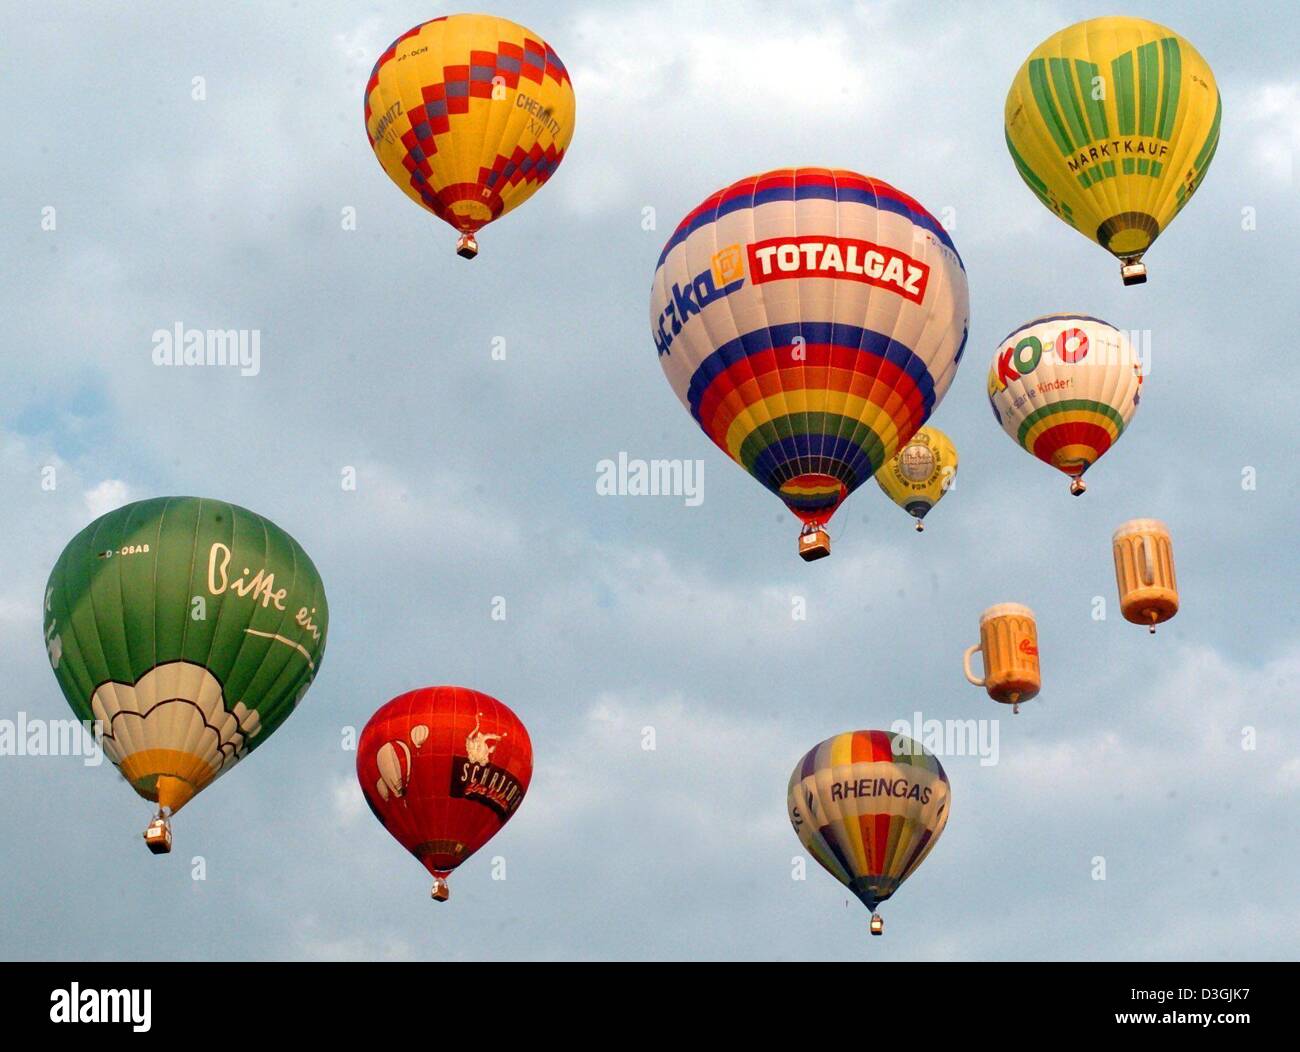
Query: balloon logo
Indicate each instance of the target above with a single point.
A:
(464, 783)
(1064, 387)
(1112, 123)
(182, 698)
(869, 806)
(394, 762)
(469, 115)
(809, 320)
(916, 462)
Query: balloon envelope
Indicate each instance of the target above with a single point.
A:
(1064, 387)
(869, 806)
(809, 320)
(1112, 124)
(469, 115)
(191, 629)
(460, 787)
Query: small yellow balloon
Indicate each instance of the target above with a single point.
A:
(920, 473)
(1112, 124)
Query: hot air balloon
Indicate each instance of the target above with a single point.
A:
(920, 473)
(189, 629)
(1065, 386)
(464, 780)
(1112, 124)
(469, 115)
(869, 806)
(1144, 572)
(1008, 647)
(810, 320)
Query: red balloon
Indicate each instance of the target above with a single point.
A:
(444, 768)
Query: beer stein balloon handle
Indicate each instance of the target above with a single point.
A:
(965, 664)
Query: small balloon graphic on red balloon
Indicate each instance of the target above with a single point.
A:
(444, 768)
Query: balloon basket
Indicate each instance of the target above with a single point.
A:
(1077, 488)
(467, 246)
(877, 924)
(814, 543)
(158, 836)
(441, 890)
(1132, 272)
(920, 526)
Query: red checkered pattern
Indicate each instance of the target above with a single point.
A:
(543, 163)
(536, 62)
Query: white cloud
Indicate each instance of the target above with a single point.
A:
(664, 89)
(347, 799)
(105, 497)
(1272, 112)
(433, 507)
(1184, 732)
(707, 770)
(316, 941)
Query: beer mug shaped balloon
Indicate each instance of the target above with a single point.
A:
(1009, 644)
(1144, 572)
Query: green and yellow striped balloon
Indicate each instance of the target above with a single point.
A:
(189, 629)
(1112, 123)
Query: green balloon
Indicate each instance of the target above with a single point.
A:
(190, 629)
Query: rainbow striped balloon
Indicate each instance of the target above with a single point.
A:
(810, 320)
(1065, 386)
(869, 806)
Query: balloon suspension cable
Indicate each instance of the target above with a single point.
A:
(1077, 487)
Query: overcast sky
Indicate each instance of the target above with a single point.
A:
(477, 478)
